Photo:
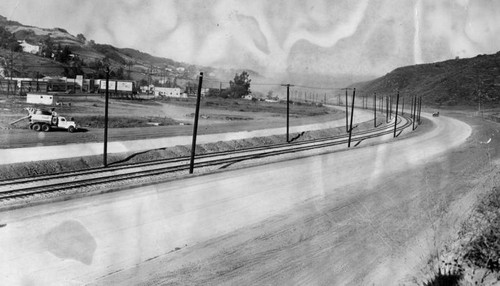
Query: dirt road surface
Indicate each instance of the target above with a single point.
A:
(344, 218)
(125, 140)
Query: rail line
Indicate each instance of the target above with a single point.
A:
(25, 187)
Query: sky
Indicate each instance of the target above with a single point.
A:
(361, 37)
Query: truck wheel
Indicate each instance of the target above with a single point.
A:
(37, 127)
(45, 128)
(71, 129)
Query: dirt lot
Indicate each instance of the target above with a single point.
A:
(128, 119)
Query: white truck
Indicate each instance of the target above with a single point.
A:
(42, 120)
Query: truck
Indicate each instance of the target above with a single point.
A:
(43, 120)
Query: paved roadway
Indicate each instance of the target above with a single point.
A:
(96, 238)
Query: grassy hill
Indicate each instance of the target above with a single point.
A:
(448, 83)
(136, 64)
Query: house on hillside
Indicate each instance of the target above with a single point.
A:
(29, 48)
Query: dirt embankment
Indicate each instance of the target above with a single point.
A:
(29, 169)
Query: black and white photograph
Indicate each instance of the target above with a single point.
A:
(238, 142)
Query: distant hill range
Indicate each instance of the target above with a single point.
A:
(447, 83)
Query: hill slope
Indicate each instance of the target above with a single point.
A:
(452, 82)
(138, 65)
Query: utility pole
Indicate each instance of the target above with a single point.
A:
(386, 109)
(346, 110)
(106, 105)
(195, 126)
(220, 88)
(411, 108)
(287, 111)
(396, 117)
(11, 67)
(419, 109)
(414, 111)
(390, 107)
(374, 110)
(352, 115)
(403, 106)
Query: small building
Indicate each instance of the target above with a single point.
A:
(167, 91)
(41, 98)
(29, 48)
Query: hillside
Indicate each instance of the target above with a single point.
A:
(88, 57)
(448, 83)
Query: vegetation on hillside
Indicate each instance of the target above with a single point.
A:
(454, 82)
(8, 41)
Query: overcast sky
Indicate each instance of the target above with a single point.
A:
(369, 37)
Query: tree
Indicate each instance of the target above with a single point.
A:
(8, 41)
(63, 55)
(240, 86)
(47, 47)
(81, 38)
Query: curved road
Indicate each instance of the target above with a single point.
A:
(216, 229)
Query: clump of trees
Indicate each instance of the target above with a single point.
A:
(238, 87)
(8, 41)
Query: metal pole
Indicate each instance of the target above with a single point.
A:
(386, 109)
(390, 107)
(288, 113)
(414, 111)
(403, 106)
(352, 115)
(374, 110)
(346, 113)
(106, 105)
(419, 109)
(396, 117)
(411, 108)
(195, 127)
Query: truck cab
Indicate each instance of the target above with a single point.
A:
(66, 124)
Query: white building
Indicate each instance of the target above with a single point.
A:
(40, 98)
(167, 91)
(29, 48)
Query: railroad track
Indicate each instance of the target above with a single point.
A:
(26, 187)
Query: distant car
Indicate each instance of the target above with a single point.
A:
(436, 114)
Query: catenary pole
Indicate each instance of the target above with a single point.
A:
(396, 114)
(352, 115)
(106, 105)
(195, 127)
(287, 111)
